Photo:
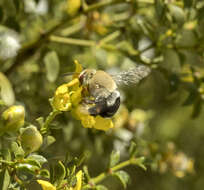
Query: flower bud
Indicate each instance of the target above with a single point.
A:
(31, 139)
(13, 118)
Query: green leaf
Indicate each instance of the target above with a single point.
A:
(114, 158)
(57, 173)
(177, 13)
(26, 171)
(140, 162)
(101, 187)
(86, 173)
(132, 149)
(123, 177)
(47, 141)
(33, 162)
(160, 9)
(17, 150)
(38, 158)
(6, 90)
(44, 173)
(82, 158)
(52, 66)
(6, 154)
(4, 179)
(40, 120)
(28, 168)
(73, 181)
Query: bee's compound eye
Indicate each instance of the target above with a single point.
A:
(81, 76)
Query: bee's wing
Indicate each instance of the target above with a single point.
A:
(132, 76)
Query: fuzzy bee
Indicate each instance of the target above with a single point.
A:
(103, 95)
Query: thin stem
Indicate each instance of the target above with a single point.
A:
(103, 175)
(101, 4)
(109, 38)
(72, 41)
(48, 120)
(74, 28)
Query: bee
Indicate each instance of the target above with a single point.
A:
(103, 95)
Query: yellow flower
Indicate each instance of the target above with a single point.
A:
(69, 94)
(79, 181)
(88, 121)
(61, 100)
(68, 97)
(46, 185)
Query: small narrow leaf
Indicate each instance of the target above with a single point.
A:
(132, 149)
(123, 177)
(33, 162)
(4, 179)
(140, 162)
(114, 158)
(58, 173)
(101, 187)
(44, 173)
(6, 90)
(6, 154)
(17, 150)
(38, 158)
(52, 66)
(86, 173)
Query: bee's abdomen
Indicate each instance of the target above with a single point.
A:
(106, 107)
(109, 111)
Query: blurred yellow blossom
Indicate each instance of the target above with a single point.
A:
(121, 118)
(177, 162)
(46, 185)
(73, 6)
(181, 164)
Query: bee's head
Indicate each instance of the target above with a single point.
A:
(86, 75)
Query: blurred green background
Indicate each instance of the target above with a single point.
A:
(40, 39)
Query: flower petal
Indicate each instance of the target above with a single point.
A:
(103, 123)
(79, 181)
(46, 185)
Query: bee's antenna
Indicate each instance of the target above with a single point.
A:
(68, 74)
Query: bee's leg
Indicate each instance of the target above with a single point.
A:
(88, 100)
(100, 105)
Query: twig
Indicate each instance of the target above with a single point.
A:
(48, 120)
(103, 175)
(72, 41)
